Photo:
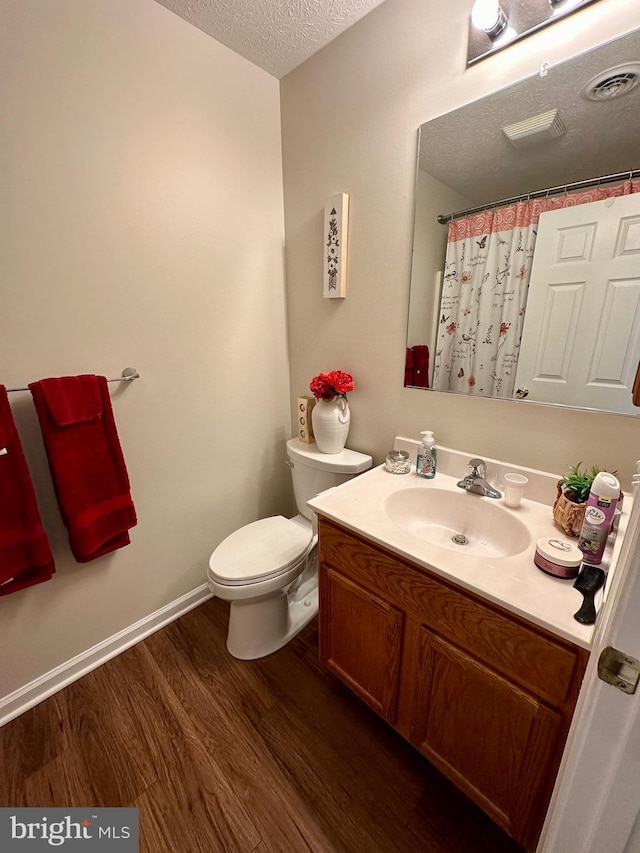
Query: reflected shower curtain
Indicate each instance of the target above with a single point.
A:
(484, 292)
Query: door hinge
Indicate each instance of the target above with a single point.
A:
(619, 669)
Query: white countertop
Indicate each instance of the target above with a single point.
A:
(515, 583)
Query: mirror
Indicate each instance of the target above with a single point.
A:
(555, 342)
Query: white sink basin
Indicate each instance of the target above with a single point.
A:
(461, 522)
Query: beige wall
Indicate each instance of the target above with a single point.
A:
(429, 246)
(350, 116)
(142, 224)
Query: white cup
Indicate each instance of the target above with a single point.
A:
(514, 485)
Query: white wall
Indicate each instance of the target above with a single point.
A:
(142, 225)
(350, 116)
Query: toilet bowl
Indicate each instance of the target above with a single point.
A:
(267, 570)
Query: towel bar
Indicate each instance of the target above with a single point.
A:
(128, 374)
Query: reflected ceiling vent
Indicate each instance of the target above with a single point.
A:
(531, 131)
(613, 83)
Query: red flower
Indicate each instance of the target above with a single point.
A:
(326, 386)
(504, 329)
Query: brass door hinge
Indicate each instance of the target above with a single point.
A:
(619, 669)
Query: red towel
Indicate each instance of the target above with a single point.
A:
(25, 556)
(86, 462)
(421, 366)
(408, 368)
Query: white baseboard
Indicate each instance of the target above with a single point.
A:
(46, 685)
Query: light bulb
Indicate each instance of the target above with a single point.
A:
(487, 15)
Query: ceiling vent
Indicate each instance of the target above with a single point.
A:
(536, 129)
(613, 83)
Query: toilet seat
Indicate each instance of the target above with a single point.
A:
(259, 551)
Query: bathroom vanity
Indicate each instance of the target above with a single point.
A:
(475, 657)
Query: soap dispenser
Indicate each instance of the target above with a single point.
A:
(427, 456)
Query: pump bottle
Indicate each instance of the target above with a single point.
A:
(427, 456)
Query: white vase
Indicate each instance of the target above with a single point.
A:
(331, 419)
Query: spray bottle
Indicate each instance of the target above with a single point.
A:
(598, 517)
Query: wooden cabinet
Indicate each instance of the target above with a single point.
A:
(367, 656)
(486, 696)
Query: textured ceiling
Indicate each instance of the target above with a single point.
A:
(467, 150)
(276, 35)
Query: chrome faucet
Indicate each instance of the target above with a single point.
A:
(475, 480)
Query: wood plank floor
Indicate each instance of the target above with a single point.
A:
(219, 755)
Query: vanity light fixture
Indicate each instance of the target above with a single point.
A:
(563, 5)
(494, 24)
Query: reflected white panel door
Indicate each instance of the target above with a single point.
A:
(581, 336)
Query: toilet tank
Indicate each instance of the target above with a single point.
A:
(314, 472)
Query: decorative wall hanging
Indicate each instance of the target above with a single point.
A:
(336, 226)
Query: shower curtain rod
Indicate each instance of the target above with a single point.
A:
(128, 374)
(443, 219)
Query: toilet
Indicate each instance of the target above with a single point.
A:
(268, 569)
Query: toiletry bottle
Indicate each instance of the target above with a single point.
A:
(427, 456)
(598, 517)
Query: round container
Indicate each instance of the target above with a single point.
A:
(558, 557)
(398, 462)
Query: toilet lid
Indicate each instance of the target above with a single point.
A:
(260, 550)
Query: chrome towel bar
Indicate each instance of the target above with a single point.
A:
(128, 374)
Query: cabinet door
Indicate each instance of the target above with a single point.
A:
(491, 738)
(361, 641)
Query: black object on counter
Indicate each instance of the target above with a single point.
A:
(588, 582)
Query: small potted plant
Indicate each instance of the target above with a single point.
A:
(571, 502)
